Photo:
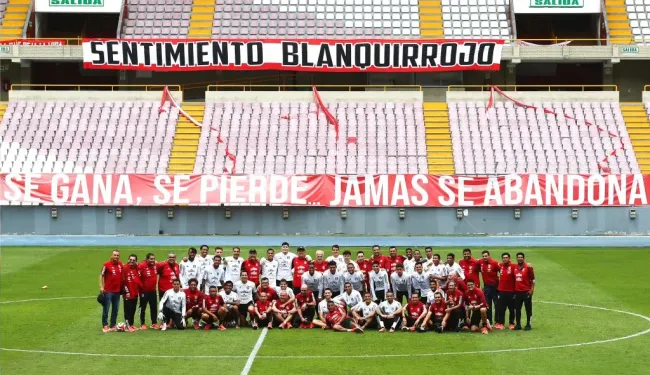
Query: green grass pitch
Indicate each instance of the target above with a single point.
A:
(55, 332)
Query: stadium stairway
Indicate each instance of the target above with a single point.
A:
(186, 140)
(14, 19)
(620, 31)
(638, 127)
(440, 159)
(201, 19)
(3, 109)
(431, 19)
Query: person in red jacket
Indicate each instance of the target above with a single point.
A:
(476, 307)
(470, 267)
(168, 271)
(506, 297)
(393, 260)
(300, 265)
(149, 280)
(131, 290)
(489, 269)
(110, 284)
(524, 289)
(252, 267)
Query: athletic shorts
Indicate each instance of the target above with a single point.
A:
(243, 308)
(410, 322)
(475, 318)
(194, 314)
(347, 323)
(381, 295)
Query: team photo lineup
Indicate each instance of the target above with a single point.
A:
(282, 289)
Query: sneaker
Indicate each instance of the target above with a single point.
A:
(143, 327)
(512, 326)
(196, 325)
(288, 325)
(311, 325)
(106, 329)
(221, 327)
(207, 327)
(382, 330)
(163, 327)
(405, 328)
(392, 330)
(413, 329)
(358, 330)
(154, 326)
(484, 331)
(488, 326)
(465, 328)
(527, 327)
(255, 326)
(132, 329)
(499, 326)
(113, 329)
(517, 327)
(270, 326)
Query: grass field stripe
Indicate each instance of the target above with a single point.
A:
(256, 348)
(261, 339)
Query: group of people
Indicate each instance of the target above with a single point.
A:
(287, 290)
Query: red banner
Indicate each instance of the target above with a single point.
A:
(331, 55)
(326, 190)
(33, 42)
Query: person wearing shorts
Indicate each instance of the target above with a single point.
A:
(231, 301)
(338, 319)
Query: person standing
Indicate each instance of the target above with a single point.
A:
(285, 262)
(168, 272)
(524, 289)
(300, 265)
(489, 269)
(270, 267)
(313, 280)
(233, 265)
(190, 268)
(110, 284)
(252, 267)
(506, 291)
(470, 267)
(149, 279)
(132, 288)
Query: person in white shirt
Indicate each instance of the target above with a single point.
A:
(246, 291)
(350, 296)
(285, 265)
(428, 260)
(452, 267)
(409, 263)
(365, 312)
(354, 277)
(333, 280)
(379, 283)
(313, 280)
(233, 265)
(172, 307)
(322, 310)
(213, 275)
(347, 259)
(231, 299)
(336, 257)
(420, 282)
(435, 288)
(190, 269)
(270, 267)
(438, 271)
(401, 283)
(389, 313)
(204, 259)
(284, 287)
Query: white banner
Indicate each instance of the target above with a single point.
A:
(78, 6)
(556, 6)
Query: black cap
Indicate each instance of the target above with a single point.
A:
(252, 251)
(301, 248)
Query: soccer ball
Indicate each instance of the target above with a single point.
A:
(121, 327)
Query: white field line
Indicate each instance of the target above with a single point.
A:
(256, 348)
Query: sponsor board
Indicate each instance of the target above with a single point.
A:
(78, 6)
(556, 6)
(326, 190)
(34, 42)
(295, 55)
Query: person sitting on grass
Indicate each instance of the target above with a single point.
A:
(213, 309)
(172, 308)
(283, 311)
(338, 319)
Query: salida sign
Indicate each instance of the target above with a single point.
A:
(78, 6)
(326, 190)
(556, 6)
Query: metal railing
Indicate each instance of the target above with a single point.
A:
(242, 81)
(308, 87)
(27, 20)
(529, 87)
(55, 87)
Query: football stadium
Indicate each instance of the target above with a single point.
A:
(324, 186)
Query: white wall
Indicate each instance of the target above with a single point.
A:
(89, 95)
(531, 96)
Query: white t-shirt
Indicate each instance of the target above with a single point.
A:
(174, 301)
(270, 270)
(313, 281)
(333, 281)
(343, 267)
(379, 280)
(229, 298)
(409, 266)
(455, 268)
(401, 283)
(431, 296)
(352, 299)
(233, 268)
(213, 277)
(366, 309)
(278, 290)
(389, 308)
(245, 291)
(340, 261)
(322, 307)
(420, 281)
(203, 263)
(284, 265)
(356, 279)
(189, 269)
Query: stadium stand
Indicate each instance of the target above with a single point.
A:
(186, 140)
(510, 139)
(319, 19)
(289, 137)
(619, 21)
(86, 137)
(636, 118)
(13, 14)
(157, 19)
(438, 139)
(477, 19)
(639, 14)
